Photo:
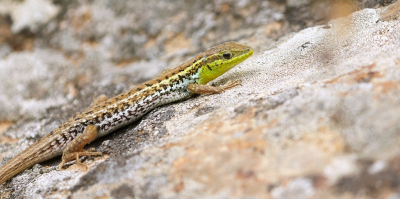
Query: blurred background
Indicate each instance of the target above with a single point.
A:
(128, 31)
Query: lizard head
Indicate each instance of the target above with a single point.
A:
(219, 59)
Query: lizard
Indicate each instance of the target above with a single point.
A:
(106, 115)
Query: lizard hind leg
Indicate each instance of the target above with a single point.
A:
(98, 100)
(75, 148)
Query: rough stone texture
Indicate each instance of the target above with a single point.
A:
(316, 117)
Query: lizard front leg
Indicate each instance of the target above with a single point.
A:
(208, 89)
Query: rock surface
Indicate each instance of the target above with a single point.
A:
(316, 116)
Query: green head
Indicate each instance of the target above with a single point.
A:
(219, 59)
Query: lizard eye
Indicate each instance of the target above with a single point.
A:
(227, 55)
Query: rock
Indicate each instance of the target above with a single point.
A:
(316, 115)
